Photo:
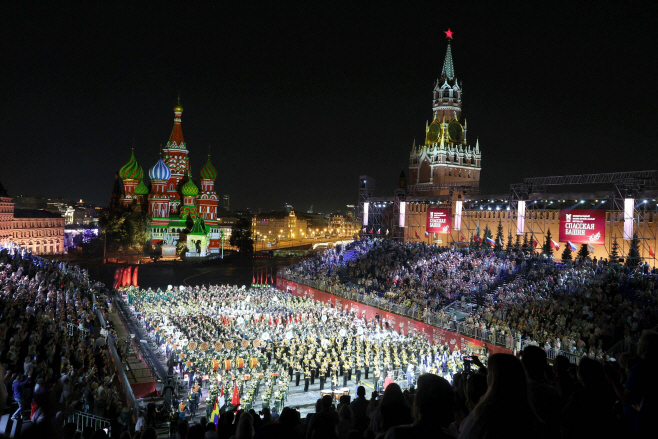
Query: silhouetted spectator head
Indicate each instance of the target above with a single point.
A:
(150, 433)
(591, 373)
(327, 401)
(245, 428)
(476, 387)
(345, 412)
(506, 379)
(394, 408)
(647, 347)
(361, 391)
(210, 427)
(534, 361)
(434, 399)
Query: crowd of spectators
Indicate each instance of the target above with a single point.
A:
(412, 274)
(53, 353)
(511, 398)
(582, 307)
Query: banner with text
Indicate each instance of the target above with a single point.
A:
(439, 220)
(582, 226)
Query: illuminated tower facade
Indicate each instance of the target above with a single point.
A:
(176, 158)
(445, 158)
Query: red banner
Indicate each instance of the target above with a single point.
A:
(439, 220)
(582, 226)
(402, 325)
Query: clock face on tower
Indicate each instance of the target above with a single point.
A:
(433, 133)
(455, 131)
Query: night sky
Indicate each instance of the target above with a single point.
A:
(296, 100)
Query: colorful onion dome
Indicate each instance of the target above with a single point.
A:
(160, 171)
(189, 189)
(208, 172)
(131, 170)
(141, 188)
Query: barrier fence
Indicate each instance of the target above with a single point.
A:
(83, 420)
(438, 320)
(118, 366)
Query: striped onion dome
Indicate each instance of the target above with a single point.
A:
(141, 188)
(189, 189)
(160, 171)
(131, 170)
(208, 172)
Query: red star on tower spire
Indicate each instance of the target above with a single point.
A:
(448, 33)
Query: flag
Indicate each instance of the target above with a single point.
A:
(500, 242)
(418, 237)
(572, 246)
(214, 416)
(222, 399)
(379, 231)
(535, 243)
(371, 230)
(386, 232)
(462, 237)
(490, 241)
(364, 230)
(427, 234)
(476, 238)
(590, 248)
(555, 245)
(651, 252)
(235, 400)
(135, 277)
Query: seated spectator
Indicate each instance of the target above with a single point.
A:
(391, 411)
(323, 424)
(433, 411)
(359, 409)
(594, 403)
(504, 411)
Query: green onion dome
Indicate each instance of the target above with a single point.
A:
(189, 189)
(141, 188)
(131, 170)
(208, 172)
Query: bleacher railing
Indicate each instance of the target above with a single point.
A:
(440, 320)
(83, 420)
(118, 366)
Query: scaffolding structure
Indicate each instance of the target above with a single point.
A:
(634, 185)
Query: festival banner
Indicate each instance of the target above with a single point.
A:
(582, 226)
(439, 220)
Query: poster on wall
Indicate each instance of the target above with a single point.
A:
(582, 226)
(439, 220)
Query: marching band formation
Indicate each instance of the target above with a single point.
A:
(258, 341)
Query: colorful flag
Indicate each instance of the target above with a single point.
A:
(476, 238)
(427, 234)
(590, 248)
(555, 245)
(235, 400)
(535, 243)
(462, 237)
(135, 277)
(572, 246)
(379, 231)
(651, 252)
(371, 231)
(418, 237)
(364, 230)
(214, 416)
(490, 241)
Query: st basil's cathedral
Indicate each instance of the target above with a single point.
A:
(173, 198)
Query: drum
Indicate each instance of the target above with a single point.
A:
(346, 391)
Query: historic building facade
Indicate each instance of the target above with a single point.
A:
(175, 203)
(445, 159)
(39, 231)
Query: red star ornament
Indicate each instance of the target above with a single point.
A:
(448, 33)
